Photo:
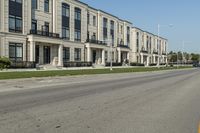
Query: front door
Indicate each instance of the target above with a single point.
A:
(47, 55)
(94, 56)
(37, 54)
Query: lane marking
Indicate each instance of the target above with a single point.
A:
(199, 128)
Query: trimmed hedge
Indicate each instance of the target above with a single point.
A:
(77, 64)
(4, 63)
(136, 64)
(114, 64)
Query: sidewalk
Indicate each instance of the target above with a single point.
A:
(69, 68)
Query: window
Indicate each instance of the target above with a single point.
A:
(88, 18)
(94, 20)
(77, 14)
(16, 51)
(15, 24)
(34, 4)
(105, 32)
(65, 10)
(137, 41)
(65, 33)
(121, 29)
(77, 54)
(77, 35)
(66, 54)
(18, 1)
(105, 22)
(34, 25)
(128, 36)
(94, 36)
(46, 5)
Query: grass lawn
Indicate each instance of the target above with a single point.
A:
(16, 75)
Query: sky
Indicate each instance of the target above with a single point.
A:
(184, 15)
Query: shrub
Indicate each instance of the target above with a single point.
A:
(136, 64)
(4, 63)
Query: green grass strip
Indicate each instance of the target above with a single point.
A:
(31, 74)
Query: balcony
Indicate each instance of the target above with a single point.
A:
(122, 46)
(95, 42)
(44, 33)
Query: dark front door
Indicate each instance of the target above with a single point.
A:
(94, 56)
(37, 54)
(47, 54)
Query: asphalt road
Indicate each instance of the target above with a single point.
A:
(155, 102)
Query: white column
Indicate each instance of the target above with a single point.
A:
(60, 55)
(119, 56)
(154, 59)
(103, 57)
(128, 55)
(88, 54)
(147, 60)
(32, 51)
(142, 60)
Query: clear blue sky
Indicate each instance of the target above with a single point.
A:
(147, 14)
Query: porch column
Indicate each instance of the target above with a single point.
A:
(119, 56)
(88, 54)
(154, 59)
(32, 51)
(60, 55)
(148, 60)
(142, 60)
(103, 57)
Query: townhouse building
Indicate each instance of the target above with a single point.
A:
(148, 49)
(54, 32)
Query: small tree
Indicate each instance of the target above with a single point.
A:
(4, 63)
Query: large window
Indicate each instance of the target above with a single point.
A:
(112, 32)
(65, 33)
(46, 5)
(18, 1)
(77, 54)
(34, 25)
(34, 4)
(105, 32)
(77, 14)
(128, 36)
(77, 35)
(94, 20)
(15, 24)
(16, 51)
(66, 54)
(65, 10)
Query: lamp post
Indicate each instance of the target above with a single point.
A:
(159, 53)
(183, 47)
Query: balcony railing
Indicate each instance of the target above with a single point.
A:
(122, 46)
(44, 33)
(143, 51)
(155, 52)
(95, 42)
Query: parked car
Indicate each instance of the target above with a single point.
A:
(196, 65)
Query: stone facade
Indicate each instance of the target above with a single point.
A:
(36, 35)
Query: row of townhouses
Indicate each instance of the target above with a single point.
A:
(53, 32)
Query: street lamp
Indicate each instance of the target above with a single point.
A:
(170, 25)
(109, 42)
(183, 46)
